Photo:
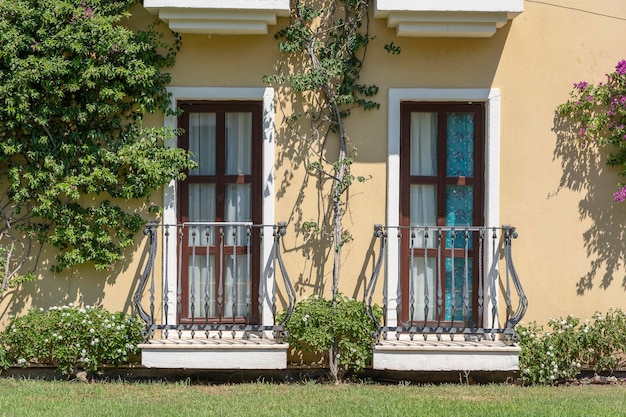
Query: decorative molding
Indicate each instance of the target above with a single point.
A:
(221, 17)
(447, 18)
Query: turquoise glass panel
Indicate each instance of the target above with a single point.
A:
(459, 282)
(460, 149)
(459, 212)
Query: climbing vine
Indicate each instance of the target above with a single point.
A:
(75, 84)
(325, 45)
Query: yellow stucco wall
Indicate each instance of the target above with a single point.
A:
(570, 250)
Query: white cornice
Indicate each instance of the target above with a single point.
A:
(223, 17)
(447, 18)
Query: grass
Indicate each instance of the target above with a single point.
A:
(118, 399)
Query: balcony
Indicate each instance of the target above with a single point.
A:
(447, 18)
(211, 303)
(451, 298)
(222, 17)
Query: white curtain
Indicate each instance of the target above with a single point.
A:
(237, 208)
(423, 198)
(238, 143)
(236, 285)
(201, 209)
(202, 142)
(423, 212)
(423, 144)
(202, 284)
(423, 277)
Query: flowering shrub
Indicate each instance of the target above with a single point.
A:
(71, 338)
(599, 116)
(315, 324)
(569, 346)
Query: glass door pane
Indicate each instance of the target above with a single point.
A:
(423, 144)
(423, 213)
(460, 145)
(460, 272)
(202, 142)
(238, 143)
(423, 286)
(201, 275)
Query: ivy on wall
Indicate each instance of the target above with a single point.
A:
(75, 84)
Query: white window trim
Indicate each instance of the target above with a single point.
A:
(266, 95)
(491, 98)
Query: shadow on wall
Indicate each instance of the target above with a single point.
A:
(584, 170)
(83, 285)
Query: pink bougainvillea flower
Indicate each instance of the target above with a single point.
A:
(581, 85)
(620, 195)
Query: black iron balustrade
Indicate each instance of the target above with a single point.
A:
(434, 296)
(217, 308)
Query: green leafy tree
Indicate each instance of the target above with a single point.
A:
(75, 84)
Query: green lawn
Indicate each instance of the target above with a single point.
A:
(72, 399)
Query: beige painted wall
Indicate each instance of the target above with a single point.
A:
(570, 249)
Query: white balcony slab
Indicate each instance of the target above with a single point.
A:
(407, 355)
(214, 354)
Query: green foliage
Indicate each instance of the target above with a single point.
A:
(569, 346)
(75, 85)
(327, 43)
(315, 325)
(598, 113)
(324, 45)
(71, 338)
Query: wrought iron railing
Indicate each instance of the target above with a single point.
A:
(214, 280)
(454, 281)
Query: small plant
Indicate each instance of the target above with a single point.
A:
(71, 338)
(344, 330)
(569, 346)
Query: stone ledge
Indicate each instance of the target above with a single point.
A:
(445, 356)
(214, 354)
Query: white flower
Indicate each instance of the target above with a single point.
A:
(21, 361)
(91, 330)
